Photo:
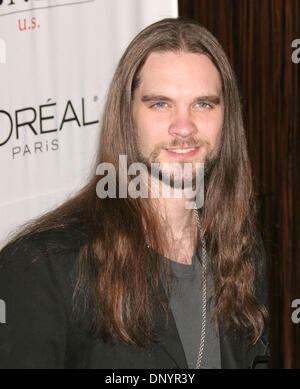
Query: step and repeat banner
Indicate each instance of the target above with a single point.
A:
(57, 58)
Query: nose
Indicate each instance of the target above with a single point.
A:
(182, 124)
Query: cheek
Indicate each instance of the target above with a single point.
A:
(150, 127)
(212, 127)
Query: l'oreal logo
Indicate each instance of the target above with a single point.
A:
(14, 6)
(8, 2)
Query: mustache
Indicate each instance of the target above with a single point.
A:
(191, 142)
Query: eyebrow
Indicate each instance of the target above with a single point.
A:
(215, 99)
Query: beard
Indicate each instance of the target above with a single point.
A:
(172, 174)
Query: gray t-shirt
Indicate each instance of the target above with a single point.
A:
(186, 306)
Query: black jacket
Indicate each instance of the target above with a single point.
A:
(39, 331)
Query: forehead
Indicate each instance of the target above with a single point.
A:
(182, 71)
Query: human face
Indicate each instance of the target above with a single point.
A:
(178, 109)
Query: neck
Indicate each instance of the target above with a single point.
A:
(179, 220)
(179, 225)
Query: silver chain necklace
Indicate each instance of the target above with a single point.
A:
(204, 271)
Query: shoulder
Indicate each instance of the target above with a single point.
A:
(37, 274)
(42, 261)
(41, 244)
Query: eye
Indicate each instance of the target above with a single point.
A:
(159, 105)
(203, 105)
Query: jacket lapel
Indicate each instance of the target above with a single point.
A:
(169, 351)
(237, 354)
(232, 350)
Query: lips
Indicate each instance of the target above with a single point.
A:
(183, 152)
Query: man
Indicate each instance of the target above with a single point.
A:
(148, 282)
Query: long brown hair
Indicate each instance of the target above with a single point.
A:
(118, 281)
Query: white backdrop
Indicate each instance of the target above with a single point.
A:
(56, 61)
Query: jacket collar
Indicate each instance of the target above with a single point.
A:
(235, 353)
